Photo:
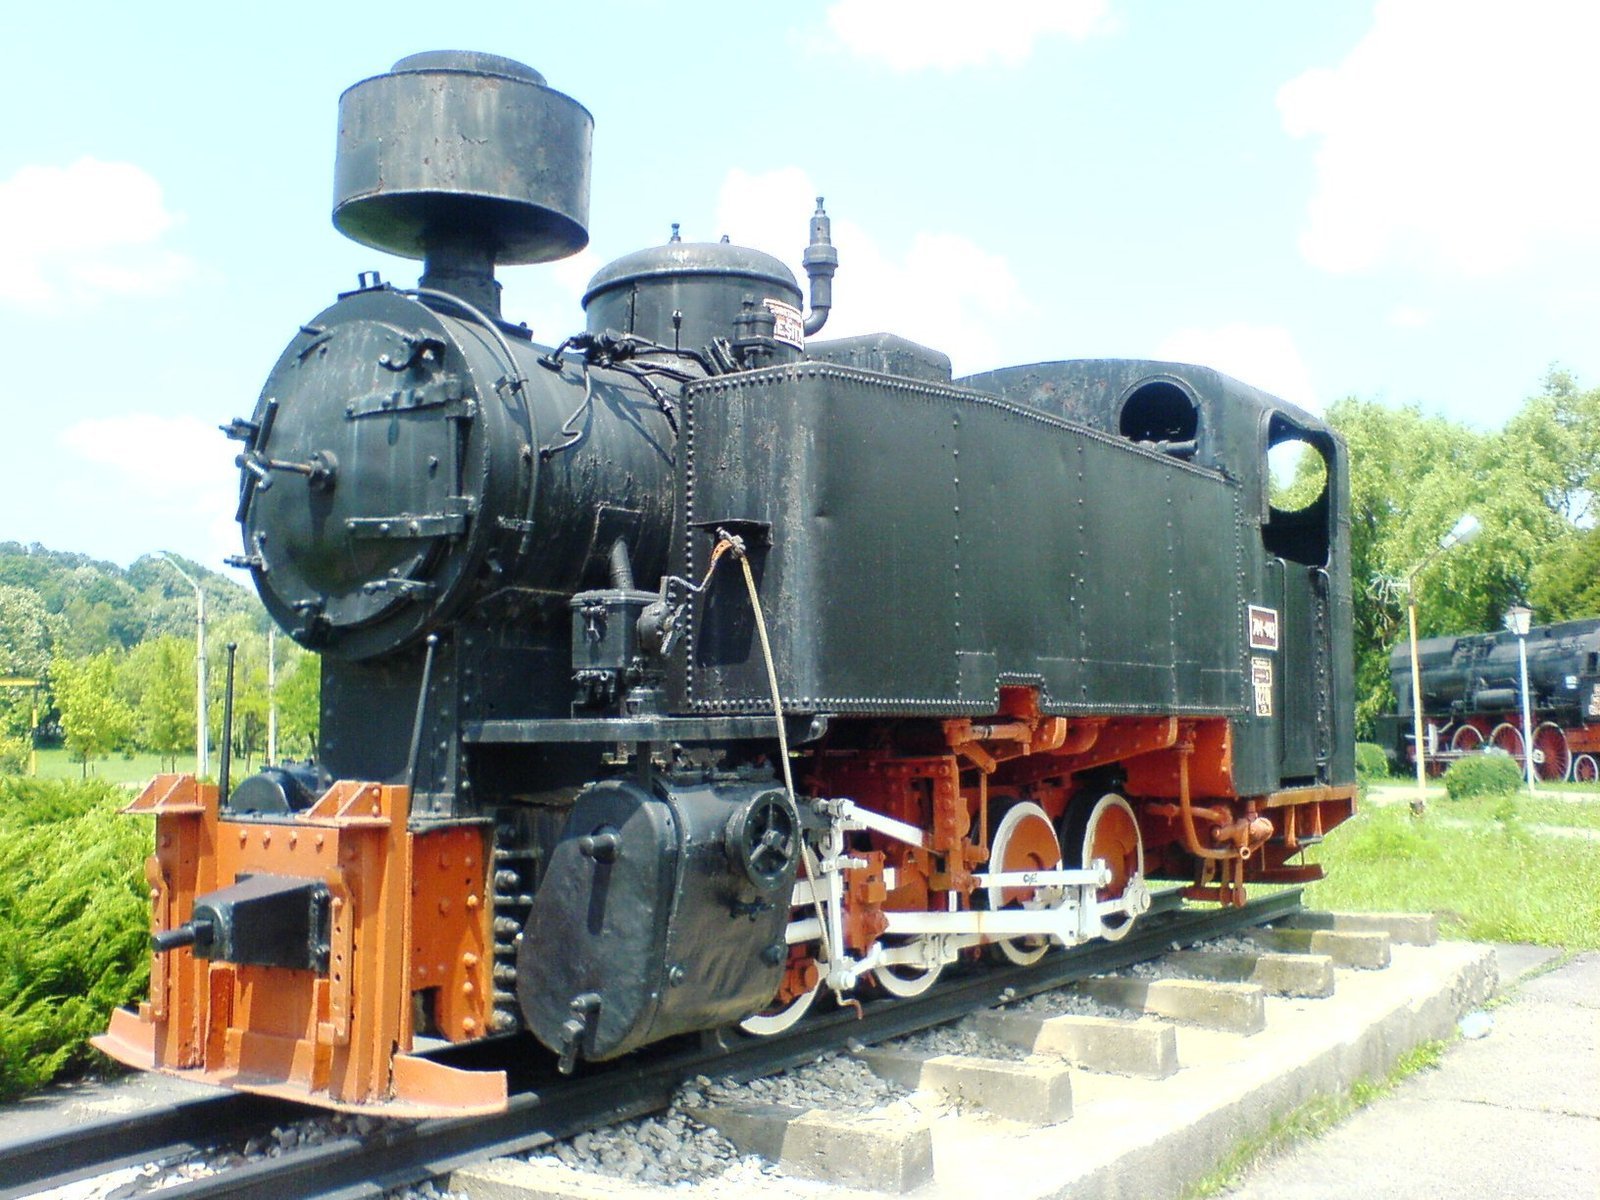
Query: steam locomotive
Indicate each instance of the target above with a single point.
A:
(1472, 698)
(690, 669)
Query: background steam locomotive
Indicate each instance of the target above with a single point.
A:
(1472, 698)
(1037, 637)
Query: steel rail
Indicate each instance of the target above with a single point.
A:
(404, 1153)
(65, 1155)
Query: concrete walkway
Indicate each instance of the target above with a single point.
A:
(1515, 1113)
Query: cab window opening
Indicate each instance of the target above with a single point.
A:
(1297, 479)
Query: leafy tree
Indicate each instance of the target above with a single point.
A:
(112, 606)
(99, 610)
(1566, 583)
(1400, 462)
(27, 632)
(95, 718)
(1558, 428)
(299, 699)
(1531, 485)
(250, 699)
(157, 681)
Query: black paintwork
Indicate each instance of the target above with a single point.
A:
(930, 544)
(685, 294)
(464, 143)
(1480, 672)
(261, 920)
(418, 469)
(648, 922)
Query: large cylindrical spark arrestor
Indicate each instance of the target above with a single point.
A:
(465, 160)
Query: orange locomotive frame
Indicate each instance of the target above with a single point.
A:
(411, 943)
(409, 915)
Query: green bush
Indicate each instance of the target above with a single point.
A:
(1482, 775)
(14, 753)
(1372, 764)
(74, 923)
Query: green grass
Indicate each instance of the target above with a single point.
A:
(1493, 881)
(117, 768)
(1530, 810)
(1311, 1120)
(1590, 790)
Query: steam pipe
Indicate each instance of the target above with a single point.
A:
(821, 261)
(416, 722)
(461, 264)
(1186, 812)
(621, 567)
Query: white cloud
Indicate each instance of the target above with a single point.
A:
(549, 296)
(1263, 356)
(187, 507)
(909, 35)
(1406, 316)
(83, 233)
(943, 290)
(1457, 135)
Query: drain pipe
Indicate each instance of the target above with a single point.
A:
(821, 261)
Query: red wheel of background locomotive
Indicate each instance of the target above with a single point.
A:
(1466, 739)
(1552, 757)
(1585, 769)
(1507, 737)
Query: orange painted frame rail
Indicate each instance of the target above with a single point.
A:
(409, 931)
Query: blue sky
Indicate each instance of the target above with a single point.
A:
(1394, 200)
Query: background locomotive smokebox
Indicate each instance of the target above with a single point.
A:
(655, 931)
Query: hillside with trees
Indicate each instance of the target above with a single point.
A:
(115, 651)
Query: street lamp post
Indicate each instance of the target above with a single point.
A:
(272, 694)
(1465, 530)
(1519, 619)
(202, 760)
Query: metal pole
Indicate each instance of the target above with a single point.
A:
(226, 755)
(202, 759)
(202, 748)
(1527, 719)
(33, 734)
(1416, 696)
(272, 695)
